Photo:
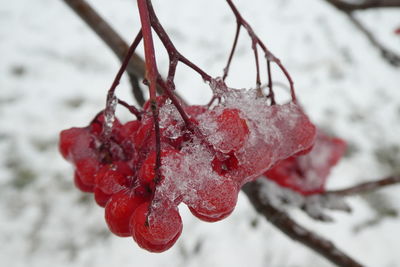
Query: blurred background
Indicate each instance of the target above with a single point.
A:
(54, 74)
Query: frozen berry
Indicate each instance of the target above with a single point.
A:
(75, 143)
(111, 178)
(154, 226)
(215, 201)
(82, 186)
(100, 197)
(87, 169)
(233, 130)
(119, 210)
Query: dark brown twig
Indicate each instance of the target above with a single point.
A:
(365, 187)
(348, 8)
(390, 56)
(367, 4)
(295, 231)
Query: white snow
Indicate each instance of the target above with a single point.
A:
(54, 74)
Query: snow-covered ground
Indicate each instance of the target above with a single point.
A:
(54, 73)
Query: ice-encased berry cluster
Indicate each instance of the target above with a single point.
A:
(203, 163)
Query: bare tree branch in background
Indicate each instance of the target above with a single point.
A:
(348, 8)
(295, 231)
(390, 56)
(136, 67)
(363, 5)
(364, 187)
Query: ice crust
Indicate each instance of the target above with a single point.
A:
(275, 133)
(109, 114)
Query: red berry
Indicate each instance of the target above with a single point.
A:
(144, 133)
(215, 201)
(82, 186)
(75, 143)
(111, 178)
(154, 247)
(233, 128)
(129, 129)
(146, 173)
(225, 166)
(100, 197)
(119, 210)
(156, 228)
(87, 169)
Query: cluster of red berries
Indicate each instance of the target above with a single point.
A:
(204, 161)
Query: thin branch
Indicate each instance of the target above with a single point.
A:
(113, 40)
(173, 53)
(390, 56)
(347, 8)
(295, 231)
(132, 109)
(267, 53)
(367, 4)
(228, 64)
(124, 65)
(365, 187)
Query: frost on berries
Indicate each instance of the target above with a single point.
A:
(202, 166)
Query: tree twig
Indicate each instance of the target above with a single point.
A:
(348, 8)
(389, 55)
(365, 187)
(367, 4)
(114, 41)
(295, 231)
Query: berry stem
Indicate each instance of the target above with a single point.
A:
(268, 55)
(152, 75)
(111, 92)
(271, 94)
(150, 58)
(132, 109)
(173, 53)
(228, 64)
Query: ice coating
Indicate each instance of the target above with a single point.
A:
(218, 87)
(275, 132)
(270, 134)
(109, 114)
